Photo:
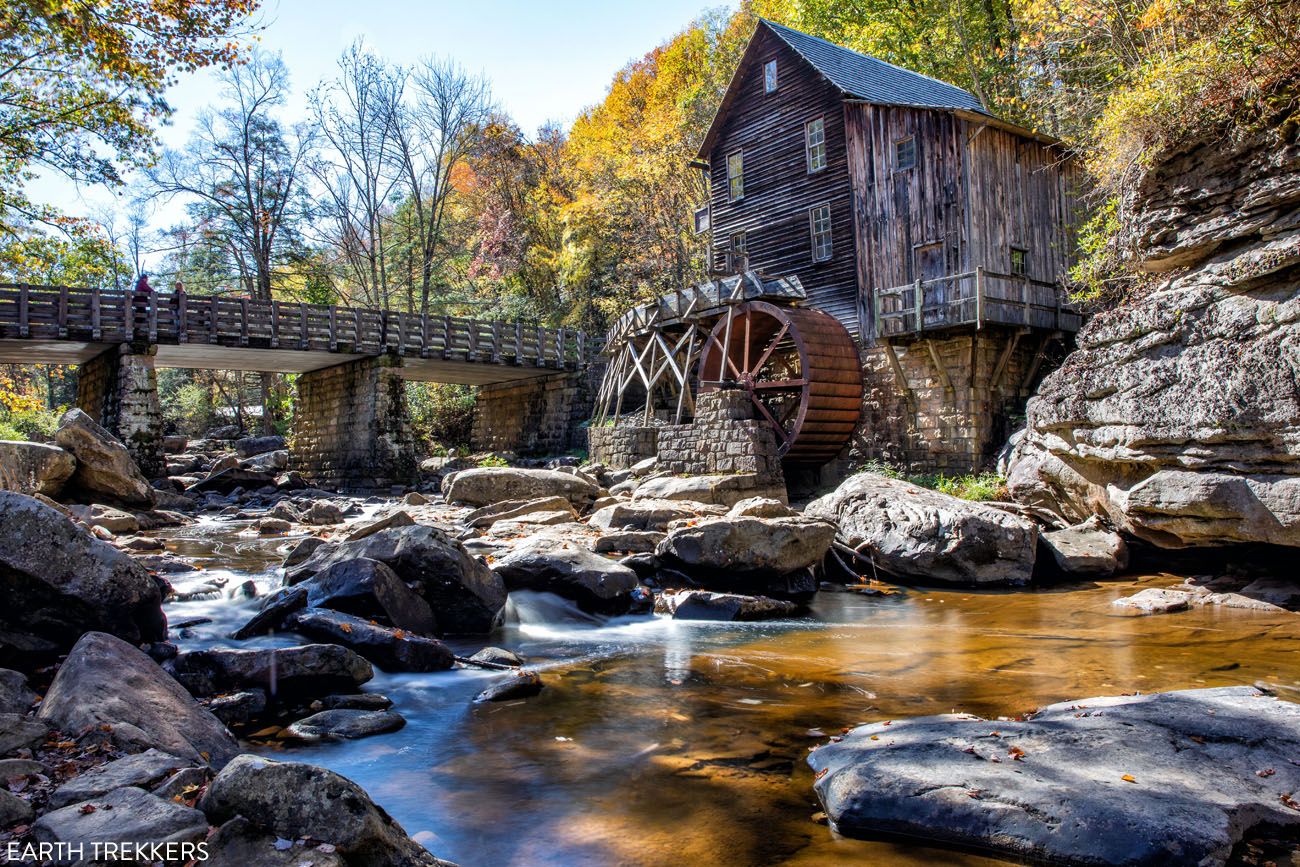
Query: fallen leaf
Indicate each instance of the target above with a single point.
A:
(1016, 753)
(1128, 778)
(1267, 772)
(87, 808)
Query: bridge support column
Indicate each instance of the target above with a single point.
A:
(351, 430)
(119, 389)
(535, 416)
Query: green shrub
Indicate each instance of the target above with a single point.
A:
(494, 461)
(37, 425)
(971, 486)
(442, 415)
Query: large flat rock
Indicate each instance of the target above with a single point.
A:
(1168, 778)
(913, 532)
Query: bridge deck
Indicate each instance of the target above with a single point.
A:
(63, 325)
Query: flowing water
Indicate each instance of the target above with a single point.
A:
(659, 742)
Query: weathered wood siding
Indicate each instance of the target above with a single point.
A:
(779, 190)
(975, 192)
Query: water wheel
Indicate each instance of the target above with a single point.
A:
(800, 368)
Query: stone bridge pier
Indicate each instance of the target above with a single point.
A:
(119, 389)
(351, 428)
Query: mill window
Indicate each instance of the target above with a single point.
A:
(739, 253)
(1019, 261)
(736, 175)
(819, 220)
(769, 77)
(815, 140)
(905, 153)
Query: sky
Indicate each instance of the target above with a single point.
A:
(547, 59)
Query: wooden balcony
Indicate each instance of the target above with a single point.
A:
(974, 299)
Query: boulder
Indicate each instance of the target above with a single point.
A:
(518, 509)
(704, 605)
(720, 490)
(275, 609)
(62, 582)
(113, 520)
(760, 507)
(107, 682)
(629, 542)
(358, 701)
(174, 444)
(15, 696)
(390, 649)
(465, 596)
(653, 515)
(415, 498)
(1156, 600)
(498, 656)
(484, 486)
(387, 522)
(273, 526)
(127, 815)
(310, 670)
(293, 800)
(301, 551)
(251, 446)
(1088, 549)
(1175, 417)
(521, 684)
(1167, 778)
(34, 468)
(369, 589)
(346, 724)
(20, 732)
(770, 546)
(227, 480)
(268, 462)
(914, 532)
(597, 584)
(239, 843)
(13, 810)
(104, 467)
(143, 771)
(322, 513)
(236, 708)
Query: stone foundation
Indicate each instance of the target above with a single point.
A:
(119, 390)
(623, 446)
(951, 417)
(542, 416)
(351, 427)
(725, 438)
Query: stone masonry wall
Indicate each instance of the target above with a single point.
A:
(535, 416)
(119, 389)
(351, 428)
(725, 438)
(957, 426)
(621, 447)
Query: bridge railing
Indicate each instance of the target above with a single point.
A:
(31, 312)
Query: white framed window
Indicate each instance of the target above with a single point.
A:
(819, 223)
(736, 176)
(905, 153)
(814, 134)
(769, 77)
(1019, 261)
(739, 252)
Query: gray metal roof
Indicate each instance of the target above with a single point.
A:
(874, 80)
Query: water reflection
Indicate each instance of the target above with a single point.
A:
(659, 742)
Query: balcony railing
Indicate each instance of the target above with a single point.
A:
(973, 298)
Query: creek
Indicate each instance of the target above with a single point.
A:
(661, 742)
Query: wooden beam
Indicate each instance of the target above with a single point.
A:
(938, 365)
(1010, 347)
(899, 376)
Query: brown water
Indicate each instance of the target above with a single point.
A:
(665, 743)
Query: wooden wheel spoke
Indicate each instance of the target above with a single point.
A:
(782, 383)
(762, 359)
(780, 428)
(723, 352)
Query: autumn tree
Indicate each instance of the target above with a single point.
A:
(242, 173)
(82, 84)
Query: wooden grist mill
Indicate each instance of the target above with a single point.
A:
(798, 367)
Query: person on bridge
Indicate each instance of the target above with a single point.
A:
(142, 285)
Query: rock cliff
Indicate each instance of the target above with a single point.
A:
(1178, 417)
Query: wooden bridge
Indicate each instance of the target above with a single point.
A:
(64, 325)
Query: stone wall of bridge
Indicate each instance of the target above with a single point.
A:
(542, 416)
(119, 389)
(351, 429)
